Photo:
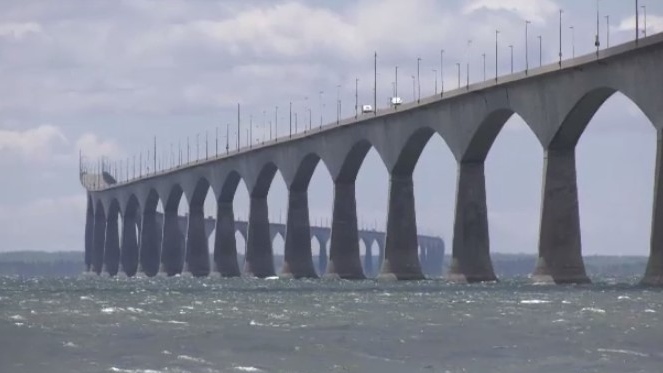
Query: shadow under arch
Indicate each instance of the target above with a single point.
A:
(150, 237)
(225, 240)
(112, 239)
(130, 232)
(99, 237)
(172, 249)
(196, 257)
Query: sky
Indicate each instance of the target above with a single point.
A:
(104, 77)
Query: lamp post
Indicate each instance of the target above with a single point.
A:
(338, 104)
(356, 97)
(526, 47)
(497, 32)
(607, 31)
(644, 30)
(597, 42)
(442, 72)
(573, 41)
(458, 66)
(511, 47)
(484, 66)
(540, 51)
(560, 37)
(418, 80)
(435, 75)
(396, 82)
(467, 68)
(290, 119)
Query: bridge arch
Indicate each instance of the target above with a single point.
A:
(131, 222)
(112, 239)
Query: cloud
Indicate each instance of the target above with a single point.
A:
(534, 10)
(91, 146)
(654, 24)
(36, 144)
(18, 31)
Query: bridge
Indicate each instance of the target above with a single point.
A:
(431, 248)
(556, 101)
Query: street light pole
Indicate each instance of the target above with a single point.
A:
(526, 47)
(597, 42)
(435, 74)
(442, 72)
(467, 67)
(573, 41)
(484, 66)
(644, 30)
(540, 51)
(356, 97)
(418, 80)
(607, 31)
(560, 37)
(338, 104)
(458, 65)
(637, 22)
(497, 32)
(396, 82)
(290, 119)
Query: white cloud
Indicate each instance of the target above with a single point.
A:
(534, 10)
(18, 31)
(91, 146)
(654, 24)
(36, 144)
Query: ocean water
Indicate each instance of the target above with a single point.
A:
(92, 324)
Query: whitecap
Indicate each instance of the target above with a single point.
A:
(119, 370)
(177, 322)
(17, 317)
(109, 310)
(248, 369)
(648, 310)
(623, 297)
(70, 344)
(534, 301)
(592, 309)
(192, 359)
(625, 352)
(272, 278)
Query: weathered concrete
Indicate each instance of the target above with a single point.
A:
(560, 257)
(259, 261)
(172, 251)
(654, 272)
(99, 240)
(150, 248)
(369, 267)
(401, 259)
(344, 256)
(196, 259)
(129, 248)
(471, 255)
(298, 260)
(225, 245)
(89, 234)
(112, 246)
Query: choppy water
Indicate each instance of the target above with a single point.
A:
(241, 325)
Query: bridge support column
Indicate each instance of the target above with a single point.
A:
(149, 244)
(560, 255)
(259, 261)
(323, 257)
(401, 259)
(368, 259)
(471, 246)
(129, 252)
(344, 256)
(89, 235)
(112, 246)
(99, 241)
(197, 248)
(654, 272)
(225, 245)
(172, 251)
(298, 259)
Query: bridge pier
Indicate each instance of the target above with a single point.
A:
(654, 272)
(259, 260)
(172, 251)
(401, 260)
(197, 247)
(129, 248)
(368, 259)
(560, 254)
(471, 246)
(149, 244)
(99, 241)
(344, 256)
(323, 257)
(89, 235)
(225, 245)
(298, 259)
(112, 246)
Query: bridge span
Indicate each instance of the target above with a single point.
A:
(556, 101)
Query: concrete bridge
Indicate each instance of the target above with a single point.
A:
(431, 248)
(556, 101)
